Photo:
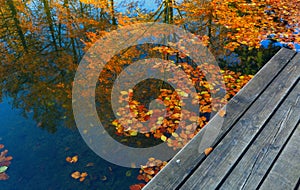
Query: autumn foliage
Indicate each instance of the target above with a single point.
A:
(248, 22)
(42, 42)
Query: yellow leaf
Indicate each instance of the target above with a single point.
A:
(133, 133)
(75, 175)
(74, 159)
(124, 92)
(163, 138)
(194, 118)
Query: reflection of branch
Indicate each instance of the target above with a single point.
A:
(112, 9)
(157, 10)
(180, 15)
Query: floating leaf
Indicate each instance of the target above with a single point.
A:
(75, 175)
(84, 174)
(133, 133)
(137, 186)
(163, 138)
(124, 92)
(89, 164)
(3, 176)
(149, 171)
(8, 158)
(3, 169)
(82, 179)
(74, 159)
(69, 159)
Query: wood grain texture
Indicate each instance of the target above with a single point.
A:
(286, 171)
(220, 162)
(175, 173)
(255, 163)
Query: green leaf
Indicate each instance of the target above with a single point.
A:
(133, 133)
(163, 138)
(128, 173)
(3, 169)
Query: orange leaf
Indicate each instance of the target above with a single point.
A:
(222, 113)
(137, 186)
(81, 179)
(84, 174)
(75, 175)
(208, 151)
(8, 158)
(74, 159)
(69, 159)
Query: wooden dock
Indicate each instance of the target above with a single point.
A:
(259, 144)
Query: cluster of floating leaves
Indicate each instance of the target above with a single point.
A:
(172, 124)
(130, 124)
(138, 186)
(152, 167)
(166, 128)
(76, 175)
(234, 82)
(134, 117)
(4, 163)
(80, 176)
(73, 159)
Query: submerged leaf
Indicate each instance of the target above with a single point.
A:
(104, 178)
(128, 173)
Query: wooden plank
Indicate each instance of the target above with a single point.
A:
(286, 171)
(220, 162)
(175, 172)
(255, 163)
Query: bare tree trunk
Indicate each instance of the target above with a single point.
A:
(70, 28)
(112, 12)
(168, 11)
(50, 23)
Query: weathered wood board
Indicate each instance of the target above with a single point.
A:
(286, 171)
(258, 123)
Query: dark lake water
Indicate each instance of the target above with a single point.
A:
(39, 157)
